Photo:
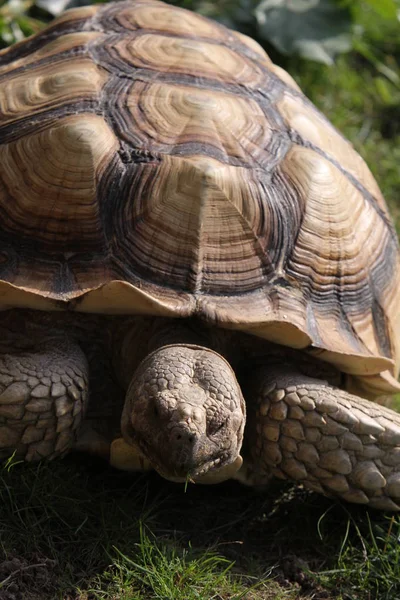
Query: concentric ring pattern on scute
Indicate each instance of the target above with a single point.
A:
(152, 161)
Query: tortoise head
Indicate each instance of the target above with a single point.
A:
(185, 412)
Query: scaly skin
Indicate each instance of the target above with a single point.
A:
(185, 411)
(44, 391)
(331, 441)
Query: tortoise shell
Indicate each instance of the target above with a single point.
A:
(155, 162)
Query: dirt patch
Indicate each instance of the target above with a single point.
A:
(295, 570)
(27, 579)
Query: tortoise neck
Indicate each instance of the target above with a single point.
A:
(136, 337)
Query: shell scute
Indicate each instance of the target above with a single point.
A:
(48, 87)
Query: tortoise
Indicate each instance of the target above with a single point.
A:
(174, 209)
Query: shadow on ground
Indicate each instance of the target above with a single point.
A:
(62, 524)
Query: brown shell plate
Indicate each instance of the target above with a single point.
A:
(152, 161)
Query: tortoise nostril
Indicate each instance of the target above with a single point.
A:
(185, 437)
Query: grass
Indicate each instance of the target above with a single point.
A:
(161, 570)
(374, 569)
(77, 530)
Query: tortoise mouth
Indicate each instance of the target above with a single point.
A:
(182, 474)
(212, 465)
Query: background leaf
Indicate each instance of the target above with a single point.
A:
(315, 29)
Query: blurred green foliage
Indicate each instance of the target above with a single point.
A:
(17, 22)
(314, 29)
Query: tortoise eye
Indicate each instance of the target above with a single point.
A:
(216, 426)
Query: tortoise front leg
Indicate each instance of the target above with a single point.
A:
(43, 393)
(331, 441)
